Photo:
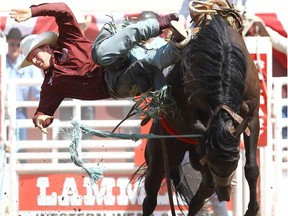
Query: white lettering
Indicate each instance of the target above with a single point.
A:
(129, 193)
(96, 213)
(109, 191)
(43, 199)
(70, 195)
(102, 194)
(89, 198)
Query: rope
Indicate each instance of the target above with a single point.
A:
(134, 137)
(143, 105)
(96, 173)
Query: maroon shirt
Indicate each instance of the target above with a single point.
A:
(73, 74)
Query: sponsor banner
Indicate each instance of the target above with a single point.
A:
(59, 194)
(96, 213)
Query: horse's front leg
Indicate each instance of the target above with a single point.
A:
(251, 167)
(205, 190)
(155, 172)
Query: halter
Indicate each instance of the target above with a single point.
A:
(235, 116)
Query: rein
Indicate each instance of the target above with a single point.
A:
(221, 181)
(188, 138)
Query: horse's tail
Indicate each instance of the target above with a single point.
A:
(141, 169)
(182, 189)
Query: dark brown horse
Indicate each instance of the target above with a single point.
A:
(216, 87)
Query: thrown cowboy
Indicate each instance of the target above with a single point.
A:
(76, 68)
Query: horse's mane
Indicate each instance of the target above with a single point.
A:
(214, 69)
(216, 66)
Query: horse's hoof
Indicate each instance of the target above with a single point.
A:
(252, 213)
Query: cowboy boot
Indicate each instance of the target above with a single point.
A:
(179, 31)
(182, 36)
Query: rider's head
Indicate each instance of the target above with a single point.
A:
(38, 50)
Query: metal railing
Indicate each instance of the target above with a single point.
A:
(46, 153)
(50, 155)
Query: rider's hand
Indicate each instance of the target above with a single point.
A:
(41, 123)
(20, 15)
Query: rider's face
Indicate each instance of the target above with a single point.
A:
(41, 57)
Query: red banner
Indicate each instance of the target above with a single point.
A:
(263, 113)
(61, 194)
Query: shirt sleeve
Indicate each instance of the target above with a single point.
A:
(67, 24)
(49, 103)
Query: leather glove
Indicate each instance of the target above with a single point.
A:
(42, 122)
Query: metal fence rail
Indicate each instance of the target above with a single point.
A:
(48, 154)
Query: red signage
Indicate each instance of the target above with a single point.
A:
(72, 194)
(263, 113)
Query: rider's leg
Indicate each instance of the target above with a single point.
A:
(163, 56)
(138, 78)
(119, 44)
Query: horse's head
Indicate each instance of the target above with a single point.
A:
(222, 152)
(215, 70)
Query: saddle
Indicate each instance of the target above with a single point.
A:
(202, 12)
